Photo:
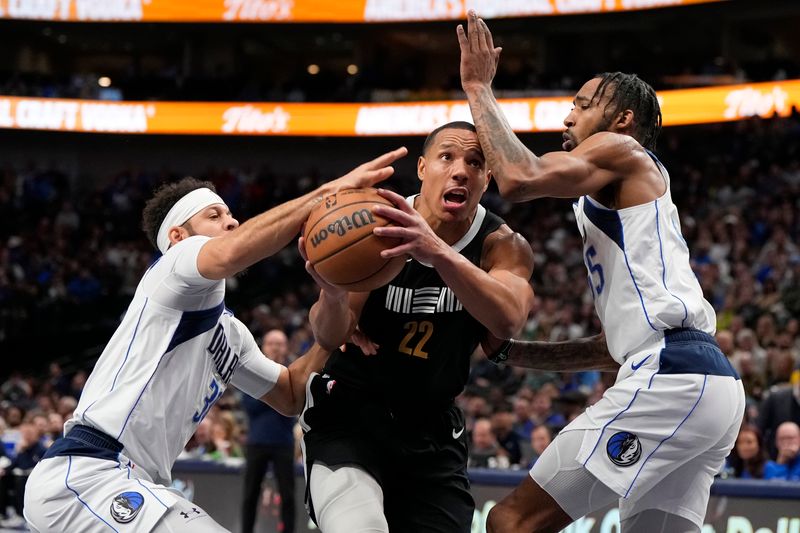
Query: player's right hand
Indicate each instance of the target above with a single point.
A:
(479, 56)
(370, 173)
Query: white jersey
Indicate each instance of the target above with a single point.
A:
(169, 361)
(639, 272)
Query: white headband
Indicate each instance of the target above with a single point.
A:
(183, 210)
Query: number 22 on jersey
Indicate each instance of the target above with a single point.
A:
(419, 331)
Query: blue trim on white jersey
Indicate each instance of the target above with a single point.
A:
(606, 220)
(140, 395)
(664, 269)
(127, 353)
(145, 487)
(705, 379)
(600, 437)
(636, 286)
(194, 323)
(609, 222)
(66, 484)
(678, 233)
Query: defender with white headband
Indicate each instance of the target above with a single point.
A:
(172, 357)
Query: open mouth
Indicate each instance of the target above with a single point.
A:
(455, 198)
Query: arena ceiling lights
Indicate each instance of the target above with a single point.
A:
(680, 107)
(309, 10)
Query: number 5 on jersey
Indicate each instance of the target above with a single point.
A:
(595, 269)
(425, 330)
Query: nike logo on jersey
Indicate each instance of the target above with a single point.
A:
(635, 366)
(457, 434)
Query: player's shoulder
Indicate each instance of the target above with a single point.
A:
(505, 241)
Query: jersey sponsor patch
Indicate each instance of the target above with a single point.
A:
(125, 506)
(624, 448)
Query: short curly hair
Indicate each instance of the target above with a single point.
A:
(166, 196)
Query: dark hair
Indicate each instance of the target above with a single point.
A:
(157, 207)
(754, 466)
(631, 92)
(456, 125)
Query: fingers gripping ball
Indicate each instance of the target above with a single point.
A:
(341, 246)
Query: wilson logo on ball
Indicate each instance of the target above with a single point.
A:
(341, 226)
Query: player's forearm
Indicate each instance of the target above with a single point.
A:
(508, 159)
(331, 320)
(299, 371)
(260, 237)
(291, 399)
(588, 353)
(492, 303)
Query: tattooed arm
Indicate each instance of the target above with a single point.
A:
(591, 165)
(588, 353)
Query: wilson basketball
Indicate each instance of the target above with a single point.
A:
(340, 243)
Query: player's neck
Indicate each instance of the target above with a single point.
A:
(450, 231)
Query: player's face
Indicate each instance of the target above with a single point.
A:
(587, 116)
(213, 221)
(454, 175)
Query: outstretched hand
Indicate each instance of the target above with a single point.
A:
(370, 173)
(419, 240)
(479, 56)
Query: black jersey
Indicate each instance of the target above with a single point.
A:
(425, 335)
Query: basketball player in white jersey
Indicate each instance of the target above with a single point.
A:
(657, 437)
(170, 360)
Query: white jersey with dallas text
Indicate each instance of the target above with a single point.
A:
(639, 272)
(169, 361)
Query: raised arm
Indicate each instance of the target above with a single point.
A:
(588, 353)
(520, 174)
(265, 234)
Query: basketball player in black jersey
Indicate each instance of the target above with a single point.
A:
(385, 446)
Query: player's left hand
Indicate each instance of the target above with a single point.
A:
(419, 240)
(479, 56)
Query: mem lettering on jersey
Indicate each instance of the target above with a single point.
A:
(422, 300)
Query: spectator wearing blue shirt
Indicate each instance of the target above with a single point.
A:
(270, 439)
(787, 465)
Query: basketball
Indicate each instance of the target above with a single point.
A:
(340, 244)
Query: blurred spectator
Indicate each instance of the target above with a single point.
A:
(485, 452)
(225, 435)
(270, 442)
(782, 404)
(523, 425)
(28, 452)
(503, 428)
(541, 437)
(749, 456)
(542, 412)
(787, 464)
(201, 444)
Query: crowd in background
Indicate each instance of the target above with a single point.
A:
(70, 259)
